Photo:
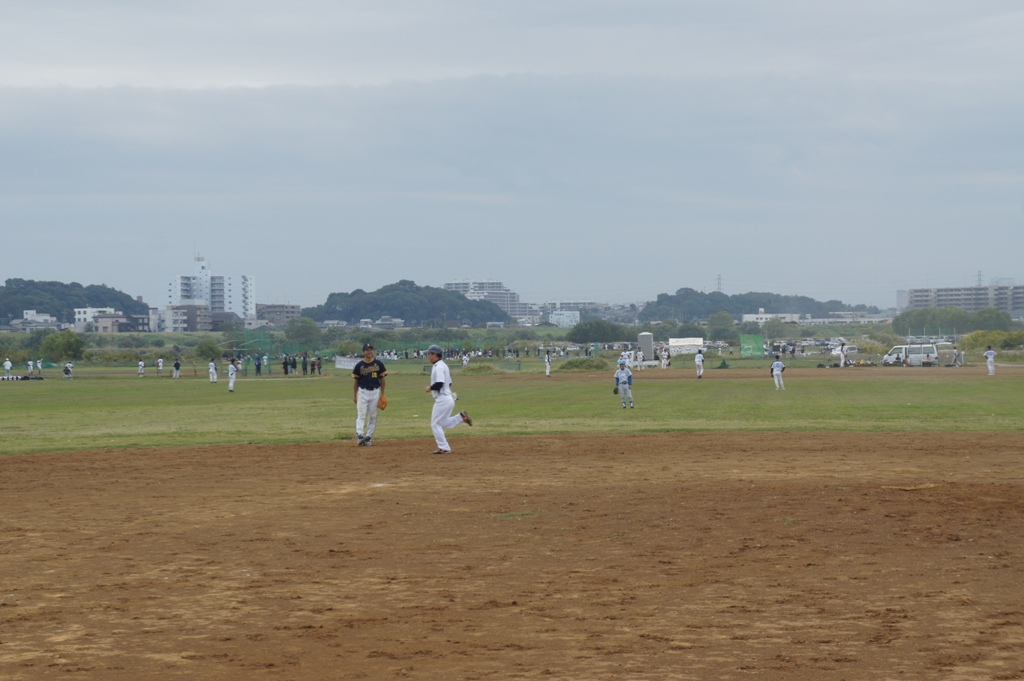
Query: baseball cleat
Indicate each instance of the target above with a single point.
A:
(366, 442)
(442, 451)
(465, 418)
(362, 442)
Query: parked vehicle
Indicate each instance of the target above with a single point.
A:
(924, 355)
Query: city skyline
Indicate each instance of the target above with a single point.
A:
(612, 151)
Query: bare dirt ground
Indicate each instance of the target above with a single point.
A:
(677, 556)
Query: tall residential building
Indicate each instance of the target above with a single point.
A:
(493, 292)
(219, 293)
(1009, 299)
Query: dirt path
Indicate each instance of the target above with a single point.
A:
(679, 556)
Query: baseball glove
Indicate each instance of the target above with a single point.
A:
(382, 403)
(615, 390)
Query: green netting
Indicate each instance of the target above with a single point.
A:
(751, 346)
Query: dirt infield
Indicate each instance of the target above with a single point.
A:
(676, 556)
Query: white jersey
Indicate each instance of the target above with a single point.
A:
(160, 363)
(441, 374)
(698, 358)
(232, 370)
(777, 367)
(990, 354)
(622, 376)
(213, 367)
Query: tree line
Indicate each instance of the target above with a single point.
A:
(416, 305)
(60, 300)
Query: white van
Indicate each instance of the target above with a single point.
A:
(914, 355)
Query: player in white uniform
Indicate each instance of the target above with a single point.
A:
(640, 360)
(843, 357)
(142, 368)
(31, 366)
(7, 367)
(547, 364)
(212, 367)
(232, 372)
(664, 358)
(159, 366)
(624, 382)
(441, 417)
(698, 361)
(777, 368)
(990, 360)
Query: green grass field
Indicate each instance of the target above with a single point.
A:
(105, 408)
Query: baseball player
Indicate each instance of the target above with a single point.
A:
(624, 382)
(698, 362)
(142, 367)
(990, 360)
(776, 371)
(39, 366)
(31, 366)
(664, 358)
(441, 417)
(547, 364)
(159, 366)
(843, 356)
(7, 367)
(177, 368)
(640, 360)
(232, 372)
(212, 368)
(367, 389)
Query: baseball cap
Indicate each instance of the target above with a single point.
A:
(367, 346)
(435, 350)
(622, 361)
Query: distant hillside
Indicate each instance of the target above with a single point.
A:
(417, 305)
(60, 299)
(688, 305)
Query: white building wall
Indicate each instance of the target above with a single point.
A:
(220, 293)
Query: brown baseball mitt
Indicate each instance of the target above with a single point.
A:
(382, 403)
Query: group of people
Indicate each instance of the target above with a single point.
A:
(370, 383)
(34, 368)
(290, 365)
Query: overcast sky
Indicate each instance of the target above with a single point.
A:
(602, 149)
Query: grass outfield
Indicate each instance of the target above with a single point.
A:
(107, 408)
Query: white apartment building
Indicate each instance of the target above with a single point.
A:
(564, 319)
(494, 292)
(761, 317)
(219, 293)
(84, 315)
(1009, 299)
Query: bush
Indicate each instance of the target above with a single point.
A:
(584, 364)
(481, 370)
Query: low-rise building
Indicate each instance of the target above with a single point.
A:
(278, 314)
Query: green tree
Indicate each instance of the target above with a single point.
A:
(304, 332)
(207, 348)
(597, 331)
(774, 328)
(35, 339)
(991, 319)
(63, 345)
(721, 326)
